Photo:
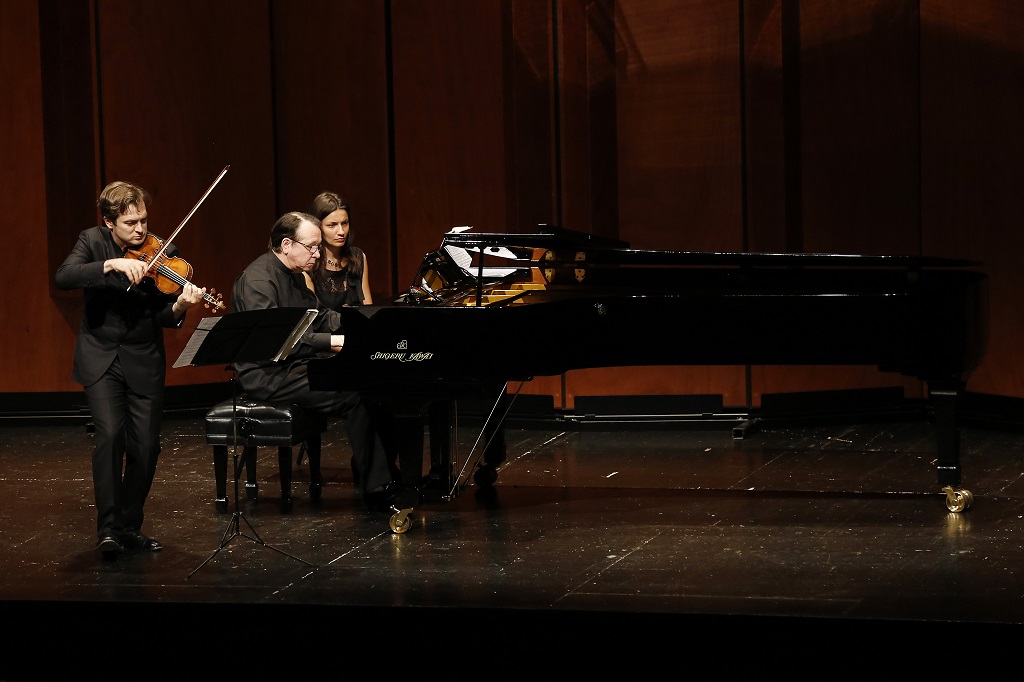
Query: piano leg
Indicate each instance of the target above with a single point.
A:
(408, 441)
(494, 441)
(401, 432)
(947, 432)
(947, 435)
(494, 453)
(442, 418)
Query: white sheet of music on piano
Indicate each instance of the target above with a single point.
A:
(465, 261)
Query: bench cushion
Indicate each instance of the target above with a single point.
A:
(258, 423)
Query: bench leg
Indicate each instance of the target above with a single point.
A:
(284, 462)
(249, 459)
(316, 477)
(220, 474)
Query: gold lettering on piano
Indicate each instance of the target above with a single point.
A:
(402, 357)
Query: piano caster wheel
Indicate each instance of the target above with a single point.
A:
(958, 500)
(251, 491)
(485, 475)
(222, 504)
(401, 520)
(315, 492)
(286, 504)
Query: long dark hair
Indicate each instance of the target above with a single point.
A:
(324, 205)
(350, 259)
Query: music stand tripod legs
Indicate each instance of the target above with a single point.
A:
(234, 527)
(247, 336)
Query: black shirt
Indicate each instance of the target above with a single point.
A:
(267, 283)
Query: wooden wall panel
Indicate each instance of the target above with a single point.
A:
(860, 123)
(449, 122)
(972, 146)
(768, 114)
(587, 149)
(859, 154)
(679, 157)
(584, 36)
(71, 129)
(36, 342)
(331, 120)
(530, 106)
(186, 91)
(874, 126)
(533, 133)
(679, 127)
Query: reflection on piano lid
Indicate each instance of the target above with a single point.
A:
(496, 269)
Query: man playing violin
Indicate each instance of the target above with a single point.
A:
(120, 360)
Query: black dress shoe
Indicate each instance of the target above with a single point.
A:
(108, 545)
(137, 540)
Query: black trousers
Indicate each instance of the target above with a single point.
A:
(364, 423)
(127, 447)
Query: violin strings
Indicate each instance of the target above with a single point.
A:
(181, 281)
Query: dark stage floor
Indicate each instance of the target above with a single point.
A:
(821, 551)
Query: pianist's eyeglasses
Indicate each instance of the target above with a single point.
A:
(312, 249)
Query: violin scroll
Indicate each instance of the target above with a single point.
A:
(214, 301)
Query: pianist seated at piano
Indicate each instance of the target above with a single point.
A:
(276, 279)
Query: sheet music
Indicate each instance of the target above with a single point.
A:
(195, 341)
(465, 261)
(293, 338)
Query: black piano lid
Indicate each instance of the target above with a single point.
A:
(761, 260)
(546, 236)
(603, 250)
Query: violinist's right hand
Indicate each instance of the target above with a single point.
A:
(132, 268)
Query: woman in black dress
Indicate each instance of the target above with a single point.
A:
(341, 277)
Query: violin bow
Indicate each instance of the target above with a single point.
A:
(167, 242)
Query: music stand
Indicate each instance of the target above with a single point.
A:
(247, 336)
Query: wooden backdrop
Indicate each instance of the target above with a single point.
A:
(848, 126)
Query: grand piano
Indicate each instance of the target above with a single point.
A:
(488, 309)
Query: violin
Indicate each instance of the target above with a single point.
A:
(170, 274)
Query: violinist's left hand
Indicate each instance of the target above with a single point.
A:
(189, 296)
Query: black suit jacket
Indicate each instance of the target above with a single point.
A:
(118, 321)
(267, 283)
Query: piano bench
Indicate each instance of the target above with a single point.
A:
(263, 424)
